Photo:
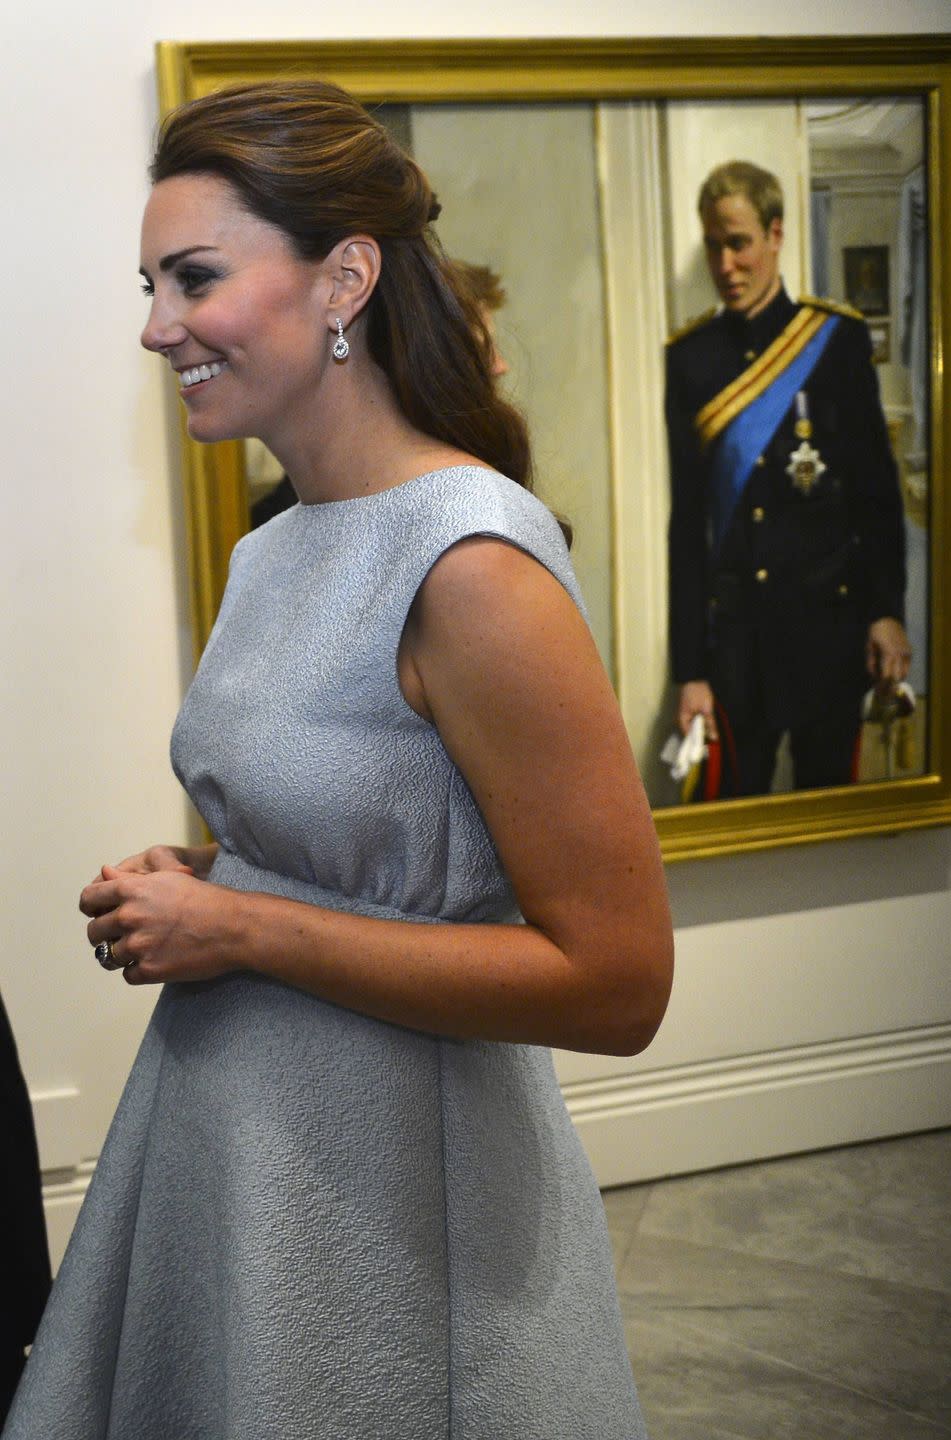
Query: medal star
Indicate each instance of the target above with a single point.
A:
(805, 466)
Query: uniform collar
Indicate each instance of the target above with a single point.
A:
(762, 330)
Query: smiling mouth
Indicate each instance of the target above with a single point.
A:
(198, 373)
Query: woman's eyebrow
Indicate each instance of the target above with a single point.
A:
(169, 261)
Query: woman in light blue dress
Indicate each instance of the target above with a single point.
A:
(341, 1196)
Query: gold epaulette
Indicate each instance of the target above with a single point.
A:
(691, 325)
(834, 307)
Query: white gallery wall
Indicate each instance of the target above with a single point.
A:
(817, 953)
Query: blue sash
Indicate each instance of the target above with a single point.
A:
(746, 437)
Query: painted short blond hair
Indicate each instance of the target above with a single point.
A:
(741, 177)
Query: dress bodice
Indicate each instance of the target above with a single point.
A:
(295, 741)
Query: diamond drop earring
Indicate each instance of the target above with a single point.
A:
(341, 345)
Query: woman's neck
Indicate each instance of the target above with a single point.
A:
(356, 441)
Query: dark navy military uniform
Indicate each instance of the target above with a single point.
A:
(777, 620)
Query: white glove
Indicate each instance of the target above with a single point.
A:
(683, 752)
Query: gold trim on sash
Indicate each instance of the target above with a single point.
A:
(717, 414)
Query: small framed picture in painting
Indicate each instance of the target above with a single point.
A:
(879, 331)
(866, 278)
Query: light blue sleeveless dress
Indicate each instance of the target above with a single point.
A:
(306, 1224)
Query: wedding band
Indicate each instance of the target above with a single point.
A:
(103, 953)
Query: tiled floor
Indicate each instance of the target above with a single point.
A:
(801, 1299)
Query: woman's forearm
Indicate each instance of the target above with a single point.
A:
(497, 982)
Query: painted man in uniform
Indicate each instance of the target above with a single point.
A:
(786, 536)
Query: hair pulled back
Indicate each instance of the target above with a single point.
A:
(306, 157)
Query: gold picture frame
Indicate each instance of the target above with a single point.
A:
(526, 71)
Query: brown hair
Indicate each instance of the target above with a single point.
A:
(484, 285)
(306, 157)
(742, 177)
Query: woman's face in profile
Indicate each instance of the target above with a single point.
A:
(239, 316)
(498, 365)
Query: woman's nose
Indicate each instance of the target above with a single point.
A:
(498, 365)
(163, 329)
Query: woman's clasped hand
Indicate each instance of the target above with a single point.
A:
(161, 920)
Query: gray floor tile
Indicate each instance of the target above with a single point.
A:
(808, 1297)
(694, 1388)
(876, 1210)
(623, 1210)
(888, 1342)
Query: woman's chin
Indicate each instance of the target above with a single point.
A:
(207, 430)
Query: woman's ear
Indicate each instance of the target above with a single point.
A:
(354, 269)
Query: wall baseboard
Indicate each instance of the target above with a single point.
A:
(753, 1107)
(63, 1194)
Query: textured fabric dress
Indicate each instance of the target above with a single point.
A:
(306, 1224)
